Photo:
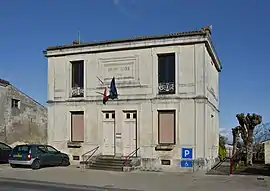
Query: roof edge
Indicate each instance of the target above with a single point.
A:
(29, 97)
(203, 31)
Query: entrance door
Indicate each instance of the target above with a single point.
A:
(129, 132)
(108, 133)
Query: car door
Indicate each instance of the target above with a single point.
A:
(4, 152)
(43, 155)
(55, 155)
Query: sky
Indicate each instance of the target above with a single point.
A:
(240, 34)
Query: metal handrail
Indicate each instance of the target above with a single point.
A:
(130, 155)
(93, 152)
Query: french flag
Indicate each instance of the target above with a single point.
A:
(112, 94)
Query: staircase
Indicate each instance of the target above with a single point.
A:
(110, 163)
(222, 168)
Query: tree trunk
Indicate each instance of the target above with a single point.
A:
(249, 148)
(235, 141)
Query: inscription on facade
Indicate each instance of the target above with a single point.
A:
(120, 69)
(123, 71)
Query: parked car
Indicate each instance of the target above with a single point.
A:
(37, 156)
(4, 152)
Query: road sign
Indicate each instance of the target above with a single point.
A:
(187, 153)
(186, 163)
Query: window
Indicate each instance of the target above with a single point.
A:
(51, 149)
(77, 78)
(166, 127)
(77, 126)
(15, 103)
(128, 115)
(22, 149)
(166, 73)
(108, 115)
(42, 148)
(3, 146)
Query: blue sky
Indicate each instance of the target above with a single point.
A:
(240, 33)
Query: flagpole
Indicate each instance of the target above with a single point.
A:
(79, 36)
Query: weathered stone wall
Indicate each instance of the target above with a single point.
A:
(27, 123)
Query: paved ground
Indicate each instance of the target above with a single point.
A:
(21, 185)
(58, 178)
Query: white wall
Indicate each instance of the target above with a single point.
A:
(267, 152)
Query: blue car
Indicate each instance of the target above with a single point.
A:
(37, 156)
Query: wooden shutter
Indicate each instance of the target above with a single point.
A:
(166, 127)
(77, 126)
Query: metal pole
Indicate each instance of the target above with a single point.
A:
(231, 164)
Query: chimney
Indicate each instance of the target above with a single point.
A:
(208, 29)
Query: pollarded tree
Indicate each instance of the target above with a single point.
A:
(236, 136)
(247, 125)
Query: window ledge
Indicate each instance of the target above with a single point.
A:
(72, 144)
(164, 147)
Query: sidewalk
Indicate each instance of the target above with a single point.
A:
(139, 180)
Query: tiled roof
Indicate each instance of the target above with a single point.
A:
(4, 82)
(203, 31)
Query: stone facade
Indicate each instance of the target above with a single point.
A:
(134, 64)
(22, 119)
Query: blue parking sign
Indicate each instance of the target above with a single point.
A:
(187, 153)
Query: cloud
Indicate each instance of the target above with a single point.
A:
(116, 2)
(227, 133)
(128, 8)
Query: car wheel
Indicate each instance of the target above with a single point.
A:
(65, 162)
(13, 165)
(36, 164)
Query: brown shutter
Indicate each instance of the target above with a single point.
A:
(166, 127)
(77, 127)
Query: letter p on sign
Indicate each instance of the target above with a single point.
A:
(186, 153)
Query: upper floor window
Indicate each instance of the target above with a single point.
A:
(166, 73)
(77, 80)
(15, 103)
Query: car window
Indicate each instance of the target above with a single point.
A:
(51, 149)
(22, 149)
(42, 148)
(3, 146)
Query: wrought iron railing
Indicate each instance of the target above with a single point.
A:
(130, 155)
(77, 92)
(93, 151)
(166, 88)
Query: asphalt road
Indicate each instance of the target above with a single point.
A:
(22, 185)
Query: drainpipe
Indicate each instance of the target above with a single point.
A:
(5, 133)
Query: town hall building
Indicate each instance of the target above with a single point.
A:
(167, 111)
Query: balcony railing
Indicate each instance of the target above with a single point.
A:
(166, 88)
(77, 92)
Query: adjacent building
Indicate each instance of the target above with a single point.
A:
(168, 100)
(22, 119)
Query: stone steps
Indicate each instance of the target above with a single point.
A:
(109, 163)
(223, 168)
